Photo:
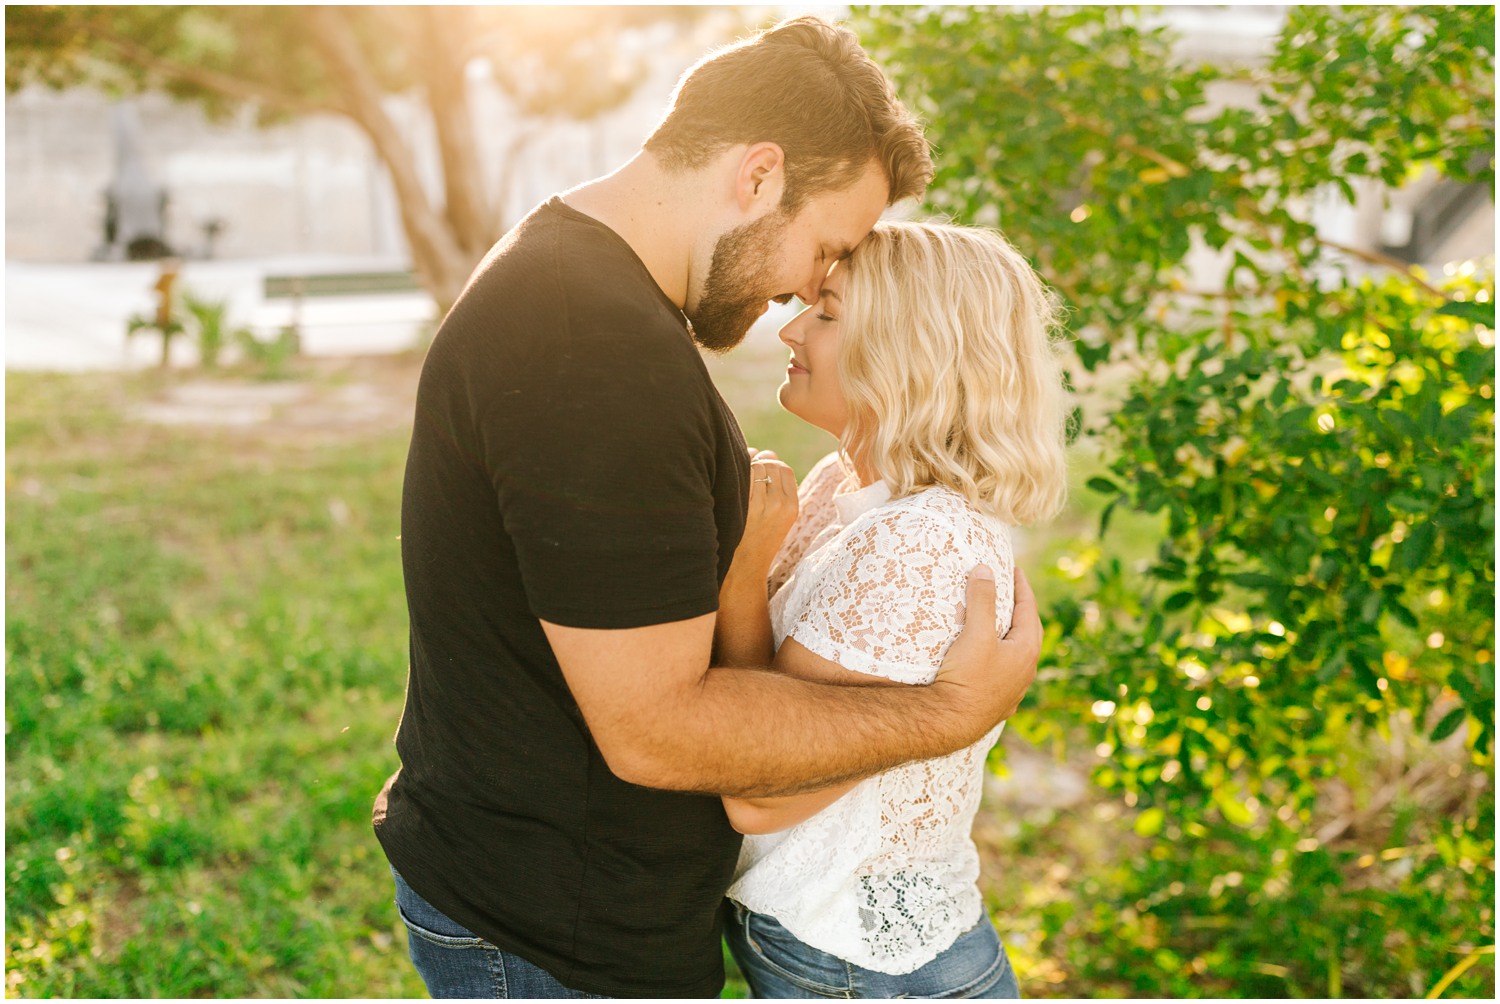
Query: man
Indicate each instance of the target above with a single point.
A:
(574, 494)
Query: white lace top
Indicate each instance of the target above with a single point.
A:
(884, 877)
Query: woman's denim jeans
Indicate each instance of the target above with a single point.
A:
(453, 962)
(776, 964)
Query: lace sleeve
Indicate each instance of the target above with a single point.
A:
(887, 600)
(815, 511)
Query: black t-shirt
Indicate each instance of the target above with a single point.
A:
(571, 461)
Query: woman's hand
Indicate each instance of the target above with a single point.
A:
(773, 510)
(742, 630)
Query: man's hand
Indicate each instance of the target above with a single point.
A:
(994, 673)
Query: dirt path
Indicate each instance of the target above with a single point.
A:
(329, 398)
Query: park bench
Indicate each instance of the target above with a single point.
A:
(345, 311)
(339, 284)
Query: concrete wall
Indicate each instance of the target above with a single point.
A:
(313, 186)
(310, 186)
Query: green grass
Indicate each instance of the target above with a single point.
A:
(205, 644)
(205, 641)
(205, 648)
(206, 661)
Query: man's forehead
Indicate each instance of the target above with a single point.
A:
(847, 215)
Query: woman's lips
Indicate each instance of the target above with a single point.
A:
(792, 367)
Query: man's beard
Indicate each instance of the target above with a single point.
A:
(732, 298)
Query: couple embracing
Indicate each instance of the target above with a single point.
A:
(658, 694)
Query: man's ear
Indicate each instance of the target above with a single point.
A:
(761, 178)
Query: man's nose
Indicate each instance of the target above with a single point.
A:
(808, 294)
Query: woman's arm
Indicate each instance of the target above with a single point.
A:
(771, 815)
(872, 615)
(742, 628)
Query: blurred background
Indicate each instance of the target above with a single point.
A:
(1258, 760)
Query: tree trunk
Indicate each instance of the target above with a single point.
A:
(466, 209)
(442, 264)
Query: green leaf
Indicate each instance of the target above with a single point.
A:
(1178, 600)
(1365, 676)
(1402, 613)
(1103, 486)
(1109, 511)
(1412, 552)
(1153, 629)
(1333, 666)
(1233, 810)
(1474, 313)
(1149, 822)
(1255, 580)
(1449, 724)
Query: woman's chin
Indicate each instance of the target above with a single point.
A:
(795, 405)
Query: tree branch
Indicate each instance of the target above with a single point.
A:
(132, 52)
(1376, 258)
(1173, 167)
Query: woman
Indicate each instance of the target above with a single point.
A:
(929, 356)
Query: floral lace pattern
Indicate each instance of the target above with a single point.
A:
(816, 516)
(885, 877)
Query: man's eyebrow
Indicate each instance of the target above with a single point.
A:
(844, 251)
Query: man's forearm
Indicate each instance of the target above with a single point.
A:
(749, 733)
(661, 720)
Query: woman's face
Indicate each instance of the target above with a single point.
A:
(812, 390)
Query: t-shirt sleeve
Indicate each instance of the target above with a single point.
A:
(603, 462)
(888, 602)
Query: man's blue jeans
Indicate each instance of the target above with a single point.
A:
(777, 965)
(454, 962)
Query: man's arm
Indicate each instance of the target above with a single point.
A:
(778, 812)
(664, 719)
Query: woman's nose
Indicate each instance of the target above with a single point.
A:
(791, 331)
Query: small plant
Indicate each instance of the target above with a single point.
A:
(168, 327)
(272, 354)
(209, 326)
(202, 320)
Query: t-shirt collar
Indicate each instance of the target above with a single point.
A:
(852, 505)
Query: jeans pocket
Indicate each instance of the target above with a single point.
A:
(425, 921)
(778, 950)
(973, 966)
(997, 979)
(984, 983)
(465, 940)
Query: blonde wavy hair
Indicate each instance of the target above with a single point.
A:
(948, 367)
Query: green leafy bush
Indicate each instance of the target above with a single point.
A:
(1295, 692)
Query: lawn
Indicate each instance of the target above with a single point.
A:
(205, 648)
(206, 654)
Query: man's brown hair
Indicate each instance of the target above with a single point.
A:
(807, 86)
